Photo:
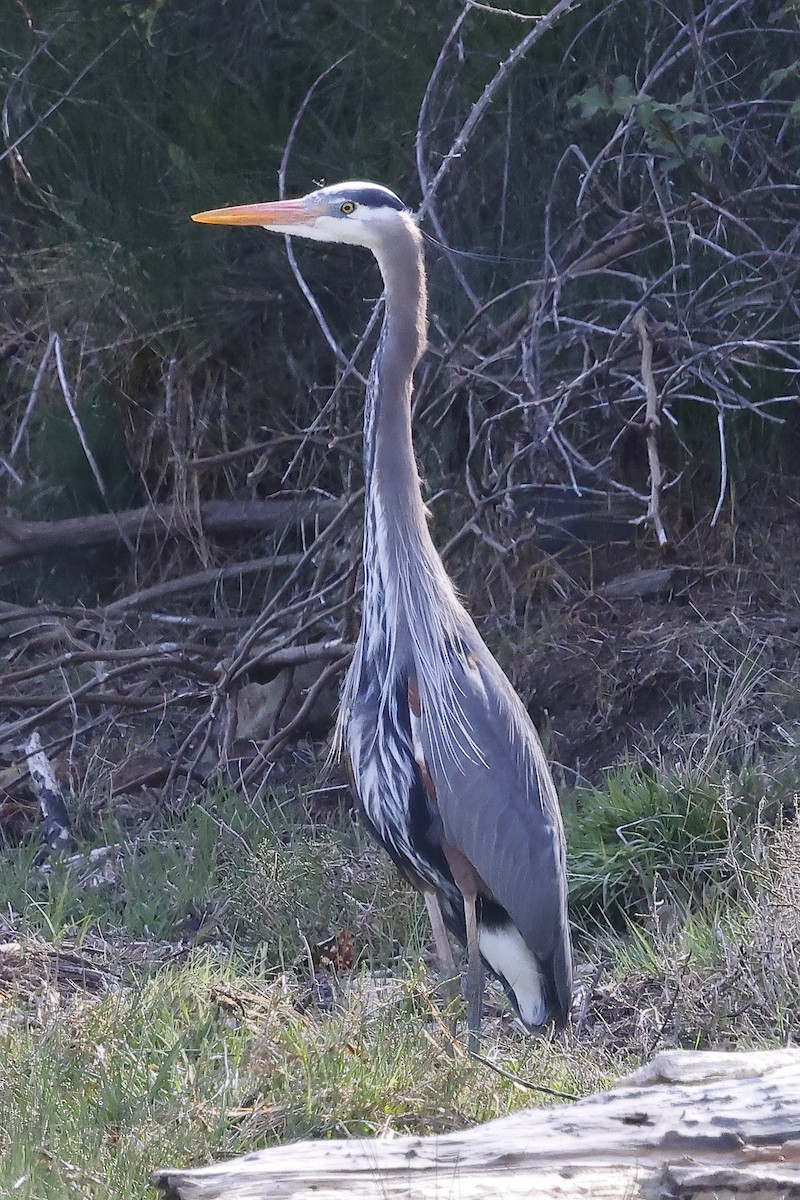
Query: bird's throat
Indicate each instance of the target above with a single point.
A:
(392, 478)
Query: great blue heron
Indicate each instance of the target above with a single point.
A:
(448, 767)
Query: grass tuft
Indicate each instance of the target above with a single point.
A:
(650, 830)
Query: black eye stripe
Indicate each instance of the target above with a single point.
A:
(373, 197)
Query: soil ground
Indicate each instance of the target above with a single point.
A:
(663, 645)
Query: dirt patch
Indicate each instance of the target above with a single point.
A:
(711, 650)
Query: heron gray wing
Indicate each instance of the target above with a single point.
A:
(498, 803)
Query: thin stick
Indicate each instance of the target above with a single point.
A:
(29, 407)
(652, 425)
(586, 1000)
(422, 170)
(523, 1083)
(9, 150)
(543, 26)
(298, 274)
(87, 450)
(723, 465)
(7, 467)
(212, 576)
(503, 12)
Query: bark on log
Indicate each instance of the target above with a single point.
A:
(24, 539)
(692, 1124)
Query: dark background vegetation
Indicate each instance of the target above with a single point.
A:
(677, 129)
(611, 382)
(612, 375)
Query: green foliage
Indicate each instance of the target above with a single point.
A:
(677, 132)
(155, 879)
(206, 1061)
(199, 1051)
(297, 883)
(648, 828)
(199, 1044)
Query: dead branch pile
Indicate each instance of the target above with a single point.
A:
(211, 689)
(667, 282)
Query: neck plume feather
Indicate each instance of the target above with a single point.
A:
(404, 574)
(412, 619)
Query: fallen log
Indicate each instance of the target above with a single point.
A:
(24, 539)
(692, 1125)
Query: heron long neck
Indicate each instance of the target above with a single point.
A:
(408, 598)
(396, 538)
(390, 465)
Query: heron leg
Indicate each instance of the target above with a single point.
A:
(469, 884)
(447, 962)
(474, 987)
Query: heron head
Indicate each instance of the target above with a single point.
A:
(359, 214)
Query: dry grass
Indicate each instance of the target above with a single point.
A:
(174, 1009)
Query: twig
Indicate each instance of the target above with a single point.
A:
(523, 1083)
(87, 450)
(293, 656)
(49, 705)
(211, 577)
(6, 466)
(723, 465)
(652, 425)
(177, 657)
(29, 407)
(9, 150)
(586, 1000)
(422, 170)
(543, 26)
(503, 12)
(669, 1010)
(290, 254)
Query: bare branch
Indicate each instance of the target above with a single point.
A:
(652, 426)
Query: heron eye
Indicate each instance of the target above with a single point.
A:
(347, 208)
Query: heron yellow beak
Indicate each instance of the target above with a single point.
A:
(279, 212)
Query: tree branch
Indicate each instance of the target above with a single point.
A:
(25, 539)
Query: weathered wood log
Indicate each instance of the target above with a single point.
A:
(24, 539)
(692, 1124)
(57, 829)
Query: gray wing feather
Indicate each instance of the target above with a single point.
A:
(499, 806)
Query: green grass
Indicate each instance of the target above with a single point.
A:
(157, 877)
(209, 1060)
(164, 1012)
(652, 830)
(268, 877)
